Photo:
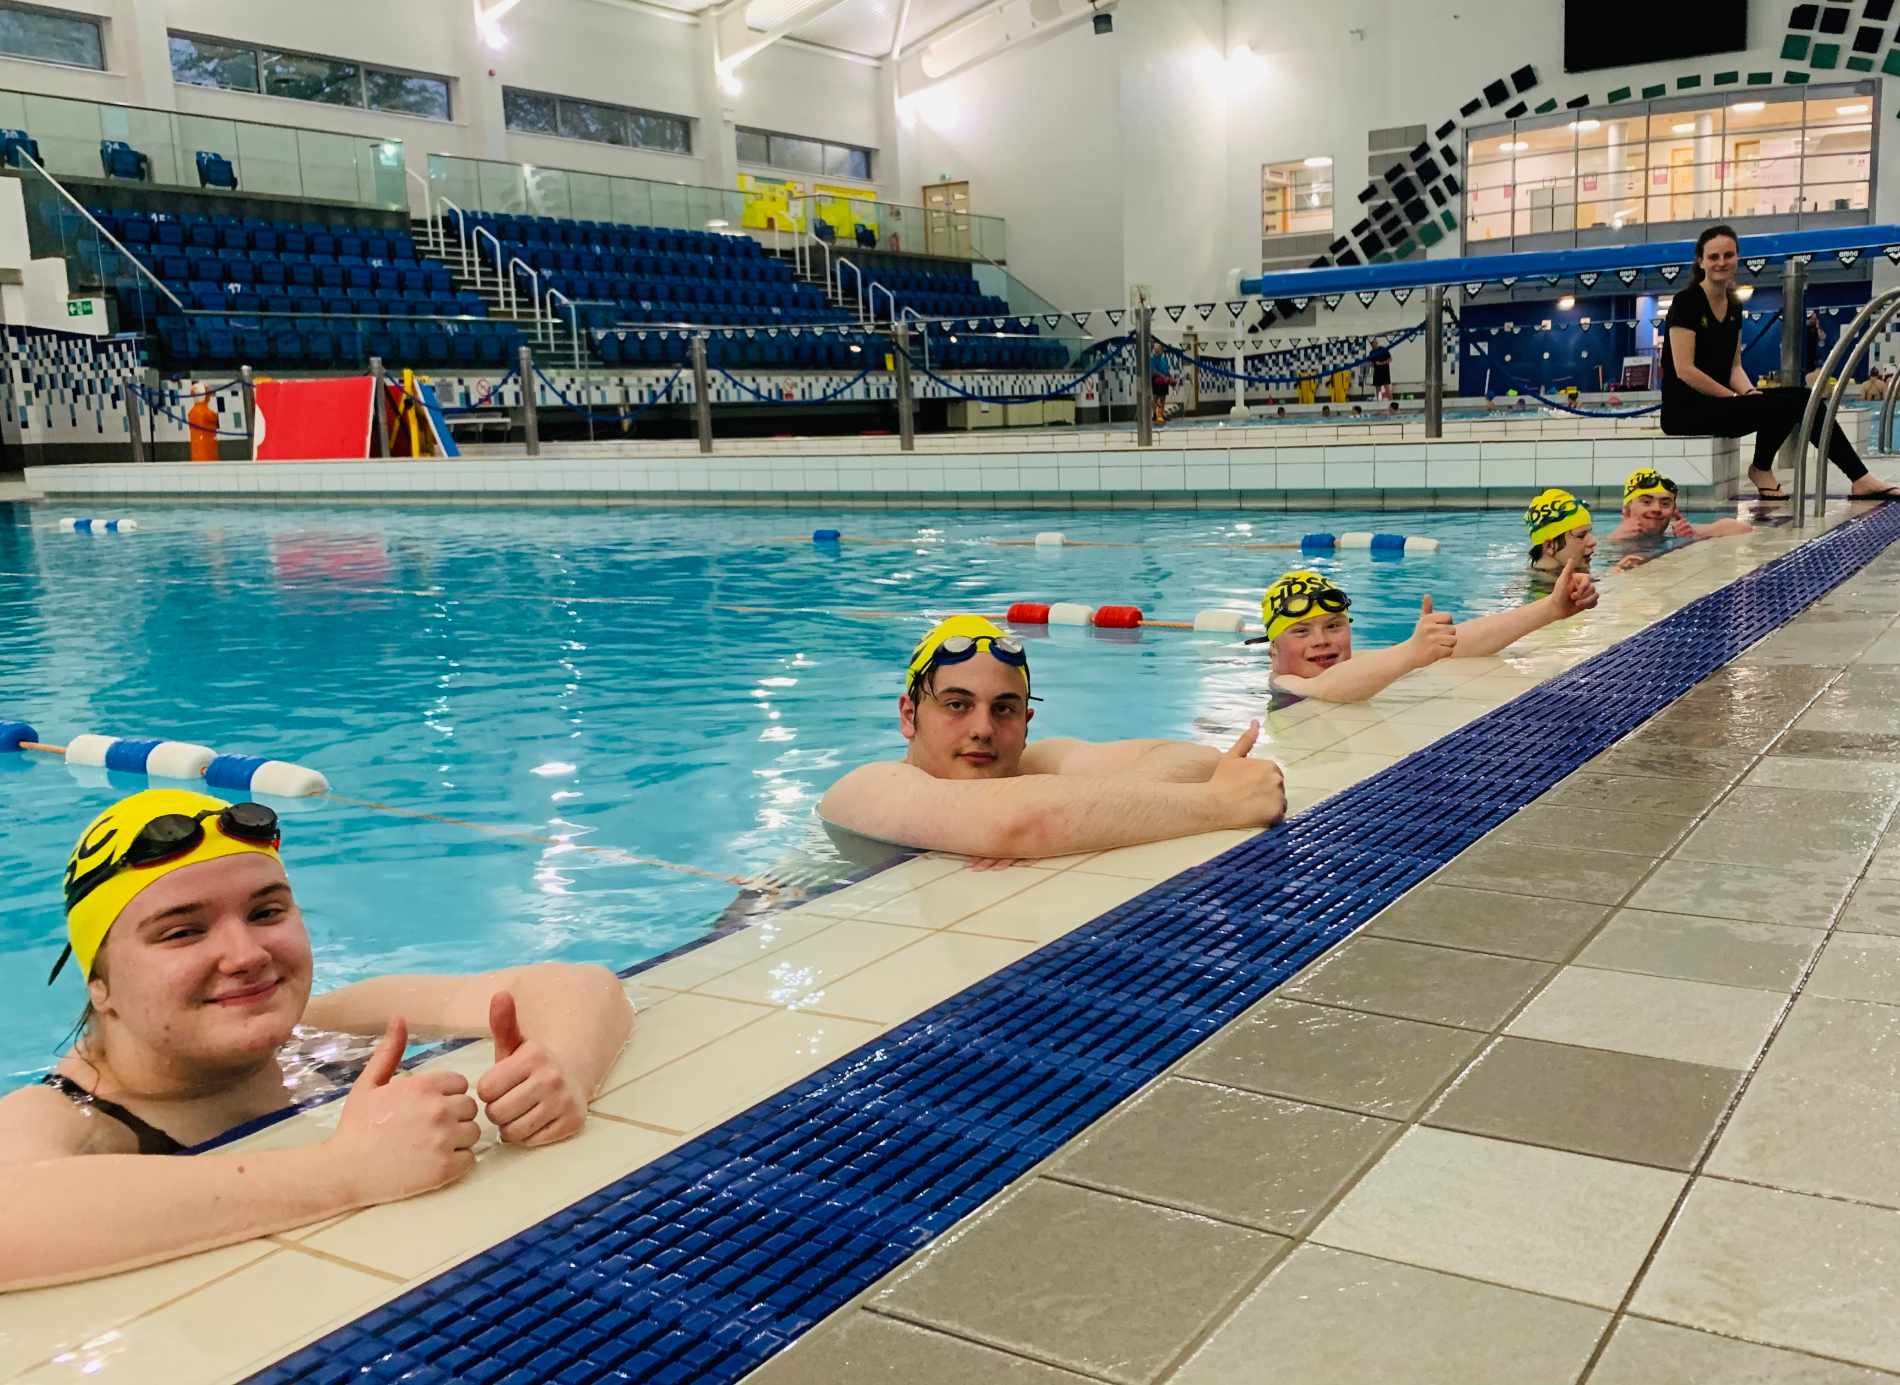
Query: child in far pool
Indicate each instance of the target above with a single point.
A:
(1650, 512)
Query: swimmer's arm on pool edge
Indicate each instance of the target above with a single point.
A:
(1572, 593)
(1367, 675)
(1035, 815)
(557, 1028)
(1174, 762)
(71, 1215)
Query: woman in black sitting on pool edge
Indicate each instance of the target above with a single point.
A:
(1706, 392)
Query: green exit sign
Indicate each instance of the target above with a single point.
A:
(79, 307)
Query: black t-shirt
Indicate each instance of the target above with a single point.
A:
(1715, 341)
(1382, 367)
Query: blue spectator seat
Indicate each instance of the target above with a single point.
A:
(216, 171)
(121, 160)
(15, 142)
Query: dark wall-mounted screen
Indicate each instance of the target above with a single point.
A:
(1628, 33)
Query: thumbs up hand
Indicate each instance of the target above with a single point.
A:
(527, 1095)
(400, 1135)
(1434, 638)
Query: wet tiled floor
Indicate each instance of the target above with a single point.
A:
(1471, 1120)
(1614, 1098)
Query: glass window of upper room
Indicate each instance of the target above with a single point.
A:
(597, 122)
(802, 154)
(51, 36)
(1296, 197)
(1788, 153)
(234, 65)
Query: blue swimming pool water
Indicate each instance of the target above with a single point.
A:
(591, 678)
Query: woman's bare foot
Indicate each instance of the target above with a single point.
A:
(1765, 484)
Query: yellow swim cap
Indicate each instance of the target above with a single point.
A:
(1648, 481)
(1555, 512)
(957, 638)
(1295, 597)
(101, 880)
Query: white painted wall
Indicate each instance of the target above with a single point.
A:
(594, 49)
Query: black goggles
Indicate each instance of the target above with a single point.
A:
(174, 834)
(1649, 481)
(960, 649)
(1297, 602)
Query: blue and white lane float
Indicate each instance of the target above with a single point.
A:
(173, 760)
(86, 524)
(1054, 538)
(1378, 543)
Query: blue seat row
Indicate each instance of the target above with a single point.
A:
(138, 229)
(425, 278)
(675, 290)
(734, 353)
(647, 265)
(330, 343)
(675, 314)
(557, 231)
(236, 299)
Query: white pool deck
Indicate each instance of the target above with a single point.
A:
(739, 1019)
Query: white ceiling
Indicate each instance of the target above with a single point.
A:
(857, 26)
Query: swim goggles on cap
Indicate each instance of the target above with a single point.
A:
(1294, 598)
(161, 839)
(1555, 512)
(1647, 482)
(958, 649)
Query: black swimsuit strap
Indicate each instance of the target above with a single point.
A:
(151, 1139)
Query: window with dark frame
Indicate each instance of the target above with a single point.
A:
(52, 36)
(598, 122)
(235, 66)
(801, 154)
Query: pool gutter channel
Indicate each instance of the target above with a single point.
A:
(706, 1262)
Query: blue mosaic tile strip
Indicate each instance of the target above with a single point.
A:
(703, 1264)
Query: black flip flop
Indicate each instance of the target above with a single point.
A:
(1890, 493)
(1765, 497)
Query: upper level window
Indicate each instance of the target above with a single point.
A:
(539, 113)
(1753, 153)
(1296, 197)
(237, 66)
(51, 36)
(797, 154)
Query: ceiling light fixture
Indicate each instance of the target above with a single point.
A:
(1686, 128)
(1858, 108)
(1749, 107)
(1566, 303)
(1319, 161)
(1585, 126)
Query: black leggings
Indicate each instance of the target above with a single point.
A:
(1770, 416)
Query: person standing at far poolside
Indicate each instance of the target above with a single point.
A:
(970, 783)
(1650, 511)
(1310, 635)
(1707, 393)
(197, 968)
(1381, 369)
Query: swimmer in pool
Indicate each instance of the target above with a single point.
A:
(1650, 512)
(181, 923)
(1309, 632)
(970, 783)
(1560, 529)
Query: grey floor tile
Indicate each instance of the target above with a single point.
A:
(1672, 762)
(1593, 877)
(1627, 793)
(1784, 894)
(1372, 1063)
(1840, 745)
(1514, 925)
(1662, 1017)
(1656, 1353)
(1858, 966)
(1589, 1101)
(1696, 730)
(1783, 1269)
(1084, 1279)
(1260, 1160)
(1594, 829)
(1539, 1219)
(1823, 1113)
(1871, 776)
(1473, 990)
(1766, 956)
(862, 1348)
(1831, 645)
(1328, 1315)
(1873, 908)
(1808, 828)
(1885, 864)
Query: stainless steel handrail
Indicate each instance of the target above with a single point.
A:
(93, 221)
(1829, 371)
(1861, 347)
(877, 289)
(923, 330)
(517, 265)
(448, 205)
(428, 198)
(843, 264)
(574, 320)
(475, 242)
